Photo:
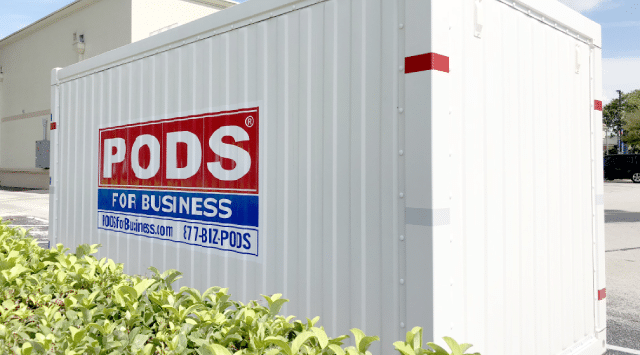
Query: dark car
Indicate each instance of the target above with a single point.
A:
(622, 166)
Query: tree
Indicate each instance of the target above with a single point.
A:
(613, 112)
(632, 129)
(615, 116)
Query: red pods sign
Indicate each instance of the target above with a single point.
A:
(216, 152)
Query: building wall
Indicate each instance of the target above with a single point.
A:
(28, 56)
(27, 60)
(150, 17)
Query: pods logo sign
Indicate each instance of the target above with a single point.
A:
(188, 180)
(215, 152)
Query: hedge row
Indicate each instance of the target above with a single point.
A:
(54, 302)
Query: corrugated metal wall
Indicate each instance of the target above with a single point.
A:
(521, 210)
(324, 79)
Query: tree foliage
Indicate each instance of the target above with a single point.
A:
(632, 130)
(615, 112)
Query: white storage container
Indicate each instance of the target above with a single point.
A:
(384, 164)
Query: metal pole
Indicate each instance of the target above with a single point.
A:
(620, 143)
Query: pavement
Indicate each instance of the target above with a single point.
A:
(27, 208)
(622, 255)
(30, 208)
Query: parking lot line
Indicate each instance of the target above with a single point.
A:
(623, 350)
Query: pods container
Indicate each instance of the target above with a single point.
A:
(432, 163)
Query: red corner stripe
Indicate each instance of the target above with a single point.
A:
(597, 105)
(53, 126)
(423, 62)
(602, 294)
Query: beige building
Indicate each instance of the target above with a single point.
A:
(83, 29)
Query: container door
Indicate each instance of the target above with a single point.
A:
(522, 199)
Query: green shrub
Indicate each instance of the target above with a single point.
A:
(413, 345)
(53, 302)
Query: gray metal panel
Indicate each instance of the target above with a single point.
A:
(42, 154)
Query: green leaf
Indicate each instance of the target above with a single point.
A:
(143, 286)
(417, 337)
(299, 340)
(8, 304)
(280, 342)
(403, 348)
(213, 349)
(275, 306)
(465, 347)
(98, 327)
(453, 345)
(321, 335)
(14, 272)
(173, 275)
(358, 334)
(363, 342)
(77, 334)
(128, 291)
(438, 350)
(312, 322)
(60, 276)
(139, 342)
(148, 349)
(336, 349)
(27, 348)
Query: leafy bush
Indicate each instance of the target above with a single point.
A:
(53, 302)
(413, 345)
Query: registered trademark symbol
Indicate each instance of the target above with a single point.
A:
(249, 121)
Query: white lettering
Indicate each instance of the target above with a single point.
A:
(132, 200)
(145, 202)
(237, 154)
(153, 203)
(225, 208)
(194, 155)
(195, 205)
(154, 164)
(184, 204)
(209, 206)
(110, 158)
(169, 205)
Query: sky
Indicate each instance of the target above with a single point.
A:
(620, 21)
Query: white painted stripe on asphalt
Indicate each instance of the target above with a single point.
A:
(623, 350)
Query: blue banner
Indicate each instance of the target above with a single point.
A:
(240, 210)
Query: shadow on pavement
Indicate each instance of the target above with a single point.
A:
(615, 216)
(9, 188)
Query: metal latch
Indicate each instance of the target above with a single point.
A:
(479, 18)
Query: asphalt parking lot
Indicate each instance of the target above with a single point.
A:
(28, 209)
(622, 250)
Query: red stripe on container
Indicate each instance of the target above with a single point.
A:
(597, 105)
(424, 62)
(53, 126)
(602, 294)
